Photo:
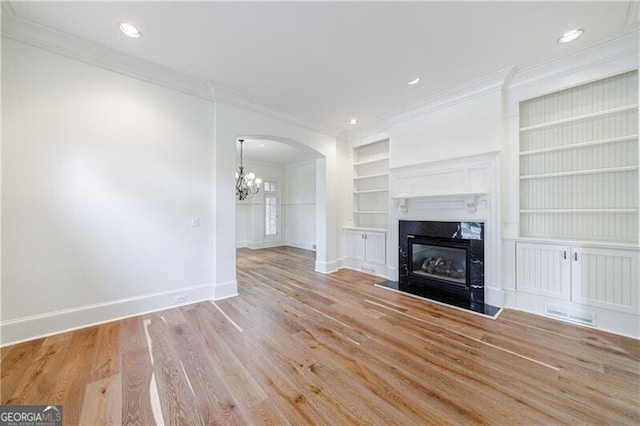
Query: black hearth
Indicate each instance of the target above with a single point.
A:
(443, 261)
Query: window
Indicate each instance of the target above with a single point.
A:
(270, 208)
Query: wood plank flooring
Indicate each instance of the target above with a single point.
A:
(297, 347)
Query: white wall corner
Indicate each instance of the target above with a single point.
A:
(326, 267)
(41, 325)
(225, 290)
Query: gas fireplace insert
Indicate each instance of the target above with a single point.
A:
(443, 260)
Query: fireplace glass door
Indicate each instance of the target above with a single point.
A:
(440, 261)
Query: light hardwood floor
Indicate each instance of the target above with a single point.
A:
(297, 347)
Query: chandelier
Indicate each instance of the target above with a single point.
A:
(248, 184)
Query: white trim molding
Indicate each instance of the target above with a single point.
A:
(326, 267)
(225, 290)
(464, 92)
(41, 325)
(24, 31)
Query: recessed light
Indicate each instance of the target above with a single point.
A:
(261, 145)
(570, 35)
(130, 30)
(353, 121)
(414, 81)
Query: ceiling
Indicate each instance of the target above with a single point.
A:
(327, 62)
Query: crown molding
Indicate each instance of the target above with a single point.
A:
(54, 41)
(379, 131)
(623, 47)
(464, 92)
(24, 31)
(488, 84)
(234, 97)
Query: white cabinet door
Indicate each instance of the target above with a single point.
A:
(355, 244)
(544, 269)
(606, 278)
(375, 247)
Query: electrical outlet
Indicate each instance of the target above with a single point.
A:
(181, 298)
(195, 221)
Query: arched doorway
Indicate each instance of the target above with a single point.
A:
(291, 200)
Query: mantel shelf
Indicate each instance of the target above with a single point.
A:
(470, 199)
(445, 195)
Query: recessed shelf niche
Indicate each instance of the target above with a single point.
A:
(371, 185)
(579, 162)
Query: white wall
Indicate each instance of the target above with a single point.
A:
(300, 205)
(250, 212)
(470, 127)
(101, 177)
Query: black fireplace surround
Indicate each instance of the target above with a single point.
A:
(443, 261)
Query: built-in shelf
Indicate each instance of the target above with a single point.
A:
(377, 175)
(371, 211)
(580, 145)
(579, 175)
(365, 228)
(371, 185)
(580, 172)
(568, 241)
(366, 162)
(533, 211)
(371, 191)
(580, 117)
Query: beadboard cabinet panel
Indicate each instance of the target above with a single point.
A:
(544, 269)
(606, 278)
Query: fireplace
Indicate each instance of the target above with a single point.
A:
(443, 261)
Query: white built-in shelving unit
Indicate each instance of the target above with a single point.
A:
(579, 163)
(578, 258)
(371, 185)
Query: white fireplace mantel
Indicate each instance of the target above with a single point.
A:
(460, 189)
(470, 200)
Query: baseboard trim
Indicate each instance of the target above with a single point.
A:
(326, 267)
(494, 296)
(43, 325)
(254, 245)
(225, 290)
(300, 245)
